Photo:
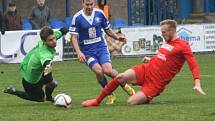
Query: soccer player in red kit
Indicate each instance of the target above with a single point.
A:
(158, 72)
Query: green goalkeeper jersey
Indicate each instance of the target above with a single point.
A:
(31, 68)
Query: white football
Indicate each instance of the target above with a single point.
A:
(62, 100)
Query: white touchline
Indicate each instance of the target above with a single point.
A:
(202, 75)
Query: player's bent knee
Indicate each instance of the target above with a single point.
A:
(138, 98)
(121, 78)
(53, 84)
(135, 102)
(108, 72)
(132, 102)
(99, 72)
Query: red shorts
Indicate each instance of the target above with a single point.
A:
(150, 87)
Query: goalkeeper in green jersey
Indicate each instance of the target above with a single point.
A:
(36, 68)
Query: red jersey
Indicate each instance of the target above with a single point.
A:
(169, 61)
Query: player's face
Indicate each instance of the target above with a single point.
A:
(40, 2)
(12, 8)
(88, 6)
(167, 33)
(51, 41)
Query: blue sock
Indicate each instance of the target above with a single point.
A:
(103, 82)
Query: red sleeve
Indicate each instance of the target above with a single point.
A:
(191, 61)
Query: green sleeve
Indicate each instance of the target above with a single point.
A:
(58, 34)
(46, 57)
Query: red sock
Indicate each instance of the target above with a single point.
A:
(108, 89)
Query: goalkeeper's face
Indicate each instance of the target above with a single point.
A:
(51, 41)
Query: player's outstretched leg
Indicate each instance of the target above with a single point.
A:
(109, 88)
(89, 103)
(111, 98)
(11, 90)
(128, 89)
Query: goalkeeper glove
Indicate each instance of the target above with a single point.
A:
(48, 68)
(67, 37)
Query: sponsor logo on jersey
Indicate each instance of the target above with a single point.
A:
(97, 19)
(167, 47)
(91, 41)
(161, 56)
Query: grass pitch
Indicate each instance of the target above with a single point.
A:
(178, 102)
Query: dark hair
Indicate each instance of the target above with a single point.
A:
(45, 32)
(11, 4)
(83, 1)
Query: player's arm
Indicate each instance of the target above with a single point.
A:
(146, 59)
(59, 33)
(194, 69)
(64, 30)
(112, 34)
(74, 42)
(109, 31)
(197, 87)
(72, 36)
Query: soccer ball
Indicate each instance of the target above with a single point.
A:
(62, 100)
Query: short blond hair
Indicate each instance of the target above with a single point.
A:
(170, 23)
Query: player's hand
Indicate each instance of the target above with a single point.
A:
(197, 87)
(63, 30)
(146, 59)
(81, 57)
(122, 38)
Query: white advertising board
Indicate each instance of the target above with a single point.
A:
(14, 45)
(146, 40)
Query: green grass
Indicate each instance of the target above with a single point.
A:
(178, 102)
